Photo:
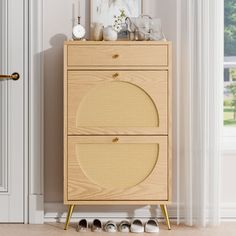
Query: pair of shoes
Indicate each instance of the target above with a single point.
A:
(151, 226)
(111, 227)
(83, 226)
(96, 226)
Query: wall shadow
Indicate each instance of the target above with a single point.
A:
(53, 117)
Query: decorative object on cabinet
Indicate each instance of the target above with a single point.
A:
(103, 11)
(97, 31)
(78, 31)
(119, 20)
(120, 25)
(145, 28)
(128, 86)
(109, 34)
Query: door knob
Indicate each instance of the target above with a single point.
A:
(14, 76)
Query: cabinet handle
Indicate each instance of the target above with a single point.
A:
(115, 140)
(115, 56)
(115, 75)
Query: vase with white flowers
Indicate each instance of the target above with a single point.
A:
(111, 33)
(120, 26)
(119, 21)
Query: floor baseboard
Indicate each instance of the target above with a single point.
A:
(56, 212)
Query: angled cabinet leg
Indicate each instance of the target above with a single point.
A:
(165, 213)
(70, 211)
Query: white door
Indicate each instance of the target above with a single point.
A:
(12, 152)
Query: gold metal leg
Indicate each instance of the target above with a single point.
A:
(165, 213)
(70, 211)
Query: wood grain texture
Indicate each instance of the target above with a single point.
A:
(139, 106)
(97, 65)
(116, 202)
(118, 55)
(65, 104)
(80, 186)
(170, 123)
(118, 68)
(115, 43)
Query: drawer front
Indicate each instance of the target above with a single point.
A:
(117, 102)
(149, 55)
(117, 168)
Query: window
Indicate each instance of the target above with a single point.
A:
(230, 65)
(230, 76)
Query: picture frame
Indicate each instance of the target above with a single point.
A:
(103, 11)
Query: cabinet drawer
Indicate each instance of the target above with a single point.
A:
(115, 55)
(117, 168)
(117, 102)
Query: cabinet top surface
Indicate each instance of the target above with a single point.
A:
(70, 42)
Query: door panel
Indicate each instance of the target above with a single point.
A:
(3, 135)
(3, 102)
(117, 168)
(11, 112)
(117, 102)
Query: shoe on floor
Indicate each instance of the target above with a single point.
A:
(137, 226)
(96, 226)
(152, 226)
(110, 227)
(82, 225)
(124, 226)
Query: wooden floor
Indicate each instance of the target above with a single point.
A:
(226, 229)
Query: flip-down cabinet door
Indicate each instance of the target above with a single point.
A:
(117, 168)
(117, 102)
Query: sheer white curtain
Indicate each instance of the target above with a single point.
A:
(200, 110)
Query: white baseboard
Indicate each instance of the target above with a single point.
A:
(56, 212)
(228, 211)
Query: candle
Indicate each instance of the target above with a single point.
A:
(78, 7)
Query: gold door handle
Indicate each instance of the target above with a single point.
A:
(14, 76)
(115, 140)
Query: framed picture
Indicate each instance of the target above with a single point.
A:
(103, 11)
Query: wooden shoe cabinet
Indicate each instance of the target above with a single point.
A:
(117, 124)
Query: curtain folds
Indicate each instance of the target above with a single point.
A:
(200, 110)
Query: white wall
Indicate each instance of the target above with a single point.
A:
(58, 21)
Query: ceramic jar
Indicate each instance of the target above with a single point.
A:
(109, 34)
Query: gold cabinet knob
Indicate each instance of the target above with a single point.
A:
(115, 75)
(115, 56)
(115, 140)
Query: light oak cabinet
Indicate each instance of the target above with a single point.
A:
(117, 123)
